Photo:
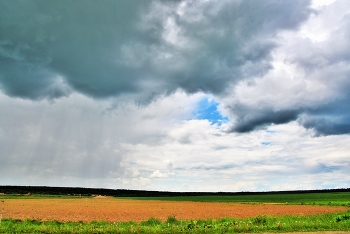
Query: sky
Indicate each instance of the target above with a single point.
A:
(202, 95)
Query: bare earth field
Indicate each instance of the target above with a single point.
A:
(112, 209)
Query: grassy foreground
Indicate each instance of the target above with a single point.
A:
(258, 224)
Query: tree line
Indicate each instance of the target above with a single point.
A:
(81, 191)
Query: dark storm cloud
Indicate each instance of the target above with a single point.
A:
(254, 120)
(73, 41)
(49, 49)
(330, 119)
(327, 126)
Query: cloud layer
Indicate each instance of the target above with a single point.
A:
(102, 49)
(109, 49)
(175, 95)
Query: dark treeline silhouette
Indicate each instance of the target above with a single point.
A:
(45, 190)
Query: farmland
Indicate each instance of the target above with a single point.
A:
(114, 210)
(180, 214)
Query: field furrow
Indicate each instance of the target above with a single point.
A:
(117, 210)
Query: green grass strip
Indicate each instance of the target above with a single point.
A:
(258, 224)
(334, 199)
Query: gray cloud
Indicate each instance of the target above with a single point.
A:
(102, 49)
(252, 120)
(326, 126)
(312, 86)
(330, 119)
(74, 41)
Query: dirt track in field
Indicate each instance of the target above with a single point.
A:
(112, 209)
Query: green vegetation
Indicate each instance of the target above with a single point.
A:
(334, 198)
(258, 224)
(329, 198)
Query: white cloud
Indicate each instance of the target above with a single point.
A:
(308, 80)
(158, 174)
(140, 182)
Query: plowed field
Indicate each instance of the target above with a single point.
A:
(112, 209)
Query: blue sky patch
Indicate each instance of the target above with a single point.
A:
(266, 143)
(324, 168)
(207, 109)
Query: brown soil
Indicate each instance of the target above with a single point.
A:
(112, 209)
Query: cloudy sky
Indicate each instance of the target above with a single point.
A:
(175, 95)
